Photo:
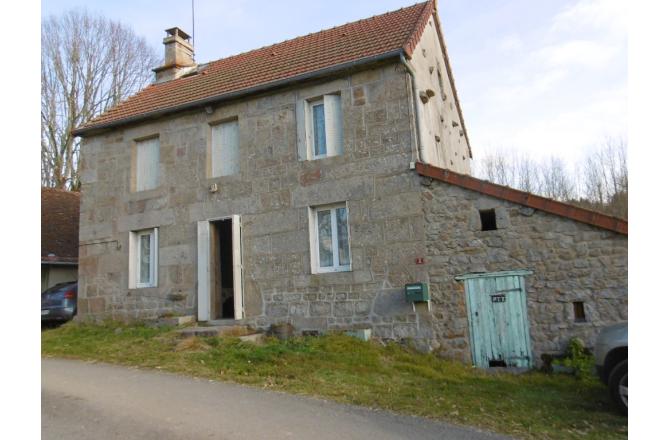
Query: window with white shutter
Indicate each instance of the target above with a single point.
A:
(225, 149)
(323, 127)
(147, 164)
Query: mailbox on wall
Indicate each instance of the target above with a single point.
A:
(417, 292)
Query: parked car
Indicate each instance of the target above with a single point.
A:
(611, 356)
(59, 302)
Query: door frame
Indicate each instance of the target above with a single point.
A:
(472, 340)
(204, 267)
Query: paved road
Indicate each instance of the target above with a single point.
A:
(85, 401)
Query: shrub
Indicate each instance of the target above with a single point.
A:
(579, 359)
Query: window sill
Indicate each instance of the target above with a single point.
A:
(317, 158)
(143, 287)
(326, 271)
(145, 194)
(216, 179)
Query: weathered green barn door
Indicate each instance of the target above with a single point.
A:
(497, 314)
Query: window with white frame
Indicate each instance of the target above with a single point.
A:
(225, 148)
(330, 244)
(323, 125)
(143, 258)
(147, 164)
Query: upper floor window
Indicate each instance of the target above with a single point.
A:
(318, 127)
(322, 127)
(147, 164)
(225, 148)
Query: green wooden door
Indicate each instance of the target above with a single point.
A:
(498, 325)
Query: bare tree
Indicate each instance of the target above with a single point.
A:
(498, 167)
(506, 167)
(606, 171)
(600, 182)
(89, 64)
(527, 178)
(605, 177)
(556, 181)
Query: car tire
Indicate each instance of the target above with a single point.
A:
(619, 386)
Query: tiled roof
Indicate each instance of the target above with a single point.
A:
(524, 198)
(365, 39)
(60, 226)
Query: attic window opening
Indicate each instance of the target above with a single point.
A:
(579, 312)
(488, 219)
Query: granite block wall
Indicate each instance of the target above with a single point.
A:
(272, 192)
(571, 261)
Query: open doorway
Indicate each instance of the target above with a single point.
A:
(222, 270)
(219, 271)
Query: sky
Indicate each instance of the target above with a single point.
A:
(545, 78)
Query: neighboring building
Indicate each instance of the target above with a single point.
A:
(304, 182)
(60, 236)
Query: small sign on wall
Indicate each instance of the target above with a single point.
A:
(498, 298)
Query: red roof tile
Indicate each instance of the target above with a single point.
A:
(524, 198)
(364, 39)
(60, 226)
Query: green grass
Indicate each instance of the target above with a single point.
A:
(344, 369)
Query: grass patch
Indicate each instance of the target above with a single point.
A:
(341, 368)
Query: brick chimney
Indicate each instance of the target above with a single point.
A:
(179, 56)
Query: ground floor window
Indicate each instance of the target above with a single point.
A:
(144, 258)
(330, 243)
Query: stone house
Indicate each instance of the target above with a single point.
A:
(60, 236)
(308, 182)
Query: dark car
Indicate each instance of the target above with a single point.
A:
(611, 355)
(59, 303)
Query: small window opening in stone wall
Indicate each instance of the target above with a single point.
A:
(488, 219)
(579, 311)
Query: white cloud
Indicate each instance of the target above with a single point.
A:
(566, 131)
(608, 15)
(510, 43)
(587, 53)
(526, 88)
(555, 90)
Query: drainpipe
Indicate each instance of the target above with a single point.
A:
(418, 107)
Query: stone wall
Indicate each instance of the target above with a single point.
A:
(394, 221)
(272, 193)
(571, 261)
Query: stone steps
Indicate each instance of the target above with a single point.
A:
(200, 331)
(216, 328)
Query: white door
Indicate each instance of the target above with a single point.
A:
(238, 268)
(203, 270)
